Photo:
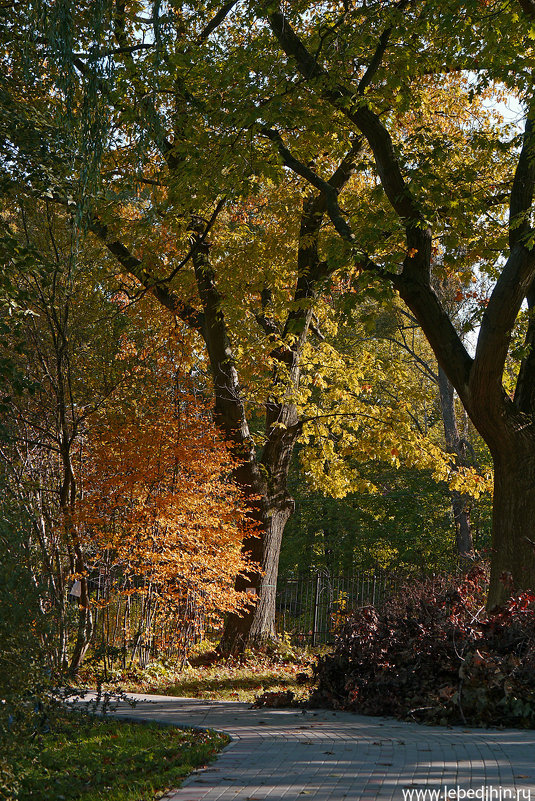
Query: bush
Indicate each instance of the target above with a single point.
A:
(23, 623)
(433, 654)
(24, 671)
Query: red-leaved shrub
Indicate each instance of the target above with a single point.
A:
(433, 654)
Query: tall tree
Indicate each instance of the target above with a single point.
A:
(493, 39)
(69, 325)
(170, 130)
(152, 127)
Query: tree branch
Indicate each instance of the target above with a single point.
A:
(216, 21)
(197, 243)
(414, 282)
(329, 189)
(343, 99)
(116, 51)
(516, 277)
(136, 267)
(380, 50)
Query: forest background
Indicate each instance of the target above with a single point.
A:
(244, 251)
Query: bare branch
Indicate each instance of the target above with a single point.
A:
(127, 49)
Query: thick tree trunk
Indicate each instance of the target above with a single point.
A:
(263, 482)
(513, 526)
(84, 630)
(67, 495)
(257, 626)
(271, 511)
(455, 444)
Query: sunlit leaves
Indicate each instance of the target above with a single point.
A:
(158, 503)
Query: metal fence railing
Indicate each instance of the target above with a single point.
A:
(309, 607)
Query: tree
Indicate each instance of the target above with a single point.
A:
(159, 516)
(405, 334)
(384, 43)
(172, 124)
(174, 183)
(371, 420)
(70, 329)
(404, 527)
(115, 466)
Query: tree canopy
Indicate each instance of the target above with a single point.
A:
(273, 177)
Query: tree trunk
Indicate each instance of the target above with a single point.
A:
(456, 445)
(460, 505)
(263, 482)
(84, 630)
(257, 626)
(67, 496)
(513, 526)
(271, 511)
(507, 426)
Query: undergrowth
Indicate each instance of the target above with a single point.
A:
(434, 654)
(211, 676)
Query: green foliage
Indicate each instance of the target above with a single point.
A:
(13, 311)
(26, 629)
(406, 526)
(20, 617)
(150, 120)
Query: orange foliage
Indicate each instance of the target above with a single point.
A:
(159, 505)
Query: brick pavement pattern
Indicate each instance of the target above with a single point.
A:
(322, 755)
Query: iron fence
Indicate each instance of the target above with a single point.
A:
(309, 607)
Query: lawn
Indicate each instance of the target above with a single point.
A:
(95, 759)
(240, 680)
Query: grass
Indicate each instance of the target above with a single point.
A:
(94, 759)
(216, 678)
(232, 680)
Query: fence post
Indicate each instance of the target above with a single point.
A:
(316, 609)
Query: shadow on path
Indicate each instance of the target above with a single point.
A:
(287, 754)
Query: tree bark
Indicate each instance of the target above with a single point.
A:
(257, 626)
(513, 525)
(263, 481)
(67, 494)
(84, 630)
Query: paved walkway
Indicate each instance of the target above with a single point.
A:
(286, 754)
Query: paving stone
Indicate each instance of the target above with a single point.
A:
(285, 755)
